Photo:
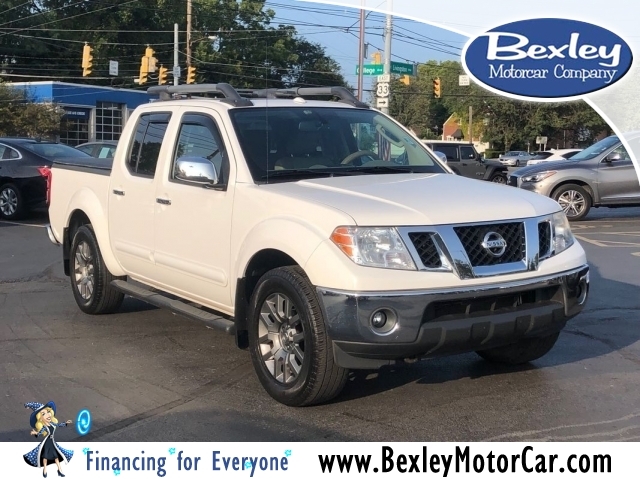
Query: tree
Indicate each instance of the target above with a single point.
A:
(22, 117)
(232, 41)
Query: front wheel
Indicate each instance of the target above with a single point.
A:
(90, 278)
(524, 351)
(517, 163)
(574, 201)
(499, 178)
(290, 349)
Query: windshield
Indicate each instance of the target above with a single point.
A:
(300, 142)
(53, 150)
(596, 149)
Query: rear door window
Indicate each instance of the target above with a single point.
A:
(467, 153)
(450, 150)
(147, 141)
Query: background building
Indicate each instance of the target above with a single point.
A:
(92, 113)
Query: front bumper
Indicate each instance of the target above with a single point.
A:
(440, 322)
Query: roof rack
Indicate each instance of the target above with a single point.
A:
(230, 95)
(241, 97)
(340, 92)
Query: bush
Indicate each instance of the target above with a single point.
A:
(489, 154)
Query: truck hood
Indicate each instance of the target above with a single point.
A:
(418, 199)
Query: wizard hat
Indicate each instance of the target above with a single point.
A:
(36, 407)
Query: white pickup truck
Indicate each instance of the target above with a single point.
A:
(288, 221)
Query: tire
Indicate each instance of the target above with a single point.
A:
(11, 202)
(524, 351)
(316, 378)
(90, 278)
(517, 163)
(499, 178)
(582, 201)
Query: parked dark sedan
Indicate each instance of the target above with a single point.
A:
(25, 169)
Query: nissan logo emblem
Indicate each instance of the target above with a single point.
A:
(494, 244)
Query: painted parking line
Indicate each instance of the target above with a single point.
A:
(23, 224)
(608, 243)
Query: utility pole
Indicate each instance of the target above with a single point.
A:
(188, 33)
(361, 54)
(388, 30)
(176, 60)
(470, 124)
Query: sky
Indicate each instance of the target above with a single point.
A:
(337, 29)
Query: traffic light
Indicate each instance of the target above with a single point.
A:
(436, 88)
(87, 60)
(191, 75)
(144, 70)
(162, 75)
(376, 58)
(406, 79)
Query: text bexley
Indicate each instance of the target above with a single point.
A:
(609, 58)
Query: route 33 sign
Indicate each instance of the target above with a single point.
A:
(382, 90)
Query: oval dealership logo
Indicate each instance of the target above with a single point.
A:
(547, 59)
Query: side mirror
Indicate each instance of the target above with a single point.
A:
(196, 170)
(613, 156)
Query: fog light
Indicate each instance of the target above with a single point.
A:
(379, 319)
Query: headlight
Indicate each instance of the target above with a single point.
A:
(562, 235)
(376, 247)
(535, 178)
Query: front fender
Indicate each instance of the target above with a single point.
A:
(85, 200)
(290, 235)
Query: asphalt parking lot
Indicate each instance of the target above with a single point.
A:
(145, 372)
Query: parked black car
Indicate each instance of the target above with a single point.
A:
(99, 149)
(465, 160)
(24, 172)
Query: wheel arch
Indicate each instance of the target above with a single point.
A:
(581, 183)
(85, 208)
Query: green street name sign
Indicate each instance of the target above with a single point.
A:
(396, 68)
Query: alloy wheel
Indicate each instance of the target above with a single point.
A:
(572, 203)
(281, 338)
(8, 202)
(84, 271)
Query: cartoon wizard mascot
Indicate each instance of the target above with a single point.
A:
(44, 423)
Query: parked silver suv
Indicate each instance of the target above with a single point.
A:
(601, 175)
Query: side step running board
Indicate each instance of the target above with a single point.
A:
(175, 305)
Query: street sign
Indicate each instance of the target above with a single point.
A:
(382, 90)
(541, 140)
(176, 72)
(403, 68)
(463, 80)
(370, 70)
(384, 78)
(382, 103)
(113, 68)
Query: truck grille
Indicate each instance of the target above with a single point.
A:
(544, 238)
(472, 237)
(426, 248)
(512, 180)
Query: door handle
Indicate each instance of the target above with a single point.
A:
(163, 201)
(118, 192)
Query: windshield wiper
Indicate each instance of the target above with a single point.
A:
(301, 173)
(378, 169)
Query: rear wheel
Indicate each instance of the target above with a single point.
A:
(522, 352)
(290, 349)
(11, 202)
(90, 278)
(574, 201)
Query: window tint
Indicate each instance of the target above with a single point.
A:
(199, 137)
(106, 151)
(86, 149)
(467, 153)
(450, 150)
(150, 131)
(623, 151)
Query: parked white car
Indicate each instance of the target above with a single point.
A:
(268, 215)
(558, 155)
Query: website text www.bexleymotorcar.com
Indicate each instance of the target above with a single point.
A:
(464, 461)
